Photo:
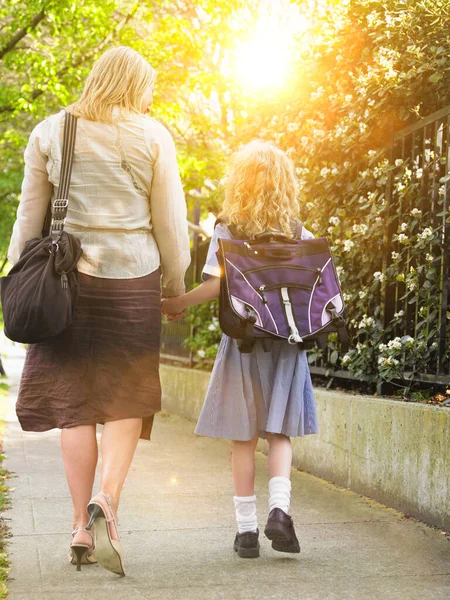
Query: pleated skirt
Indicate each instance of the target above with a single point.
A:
(258, 392)
(105, 367)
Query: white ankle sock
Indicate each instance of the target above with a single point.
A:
(279, 493)
(246, 513)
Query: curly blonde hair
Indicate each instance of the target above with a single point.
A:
(261, 191)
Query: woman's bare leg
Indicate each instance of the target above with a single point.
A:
(118, 444)
(80, 456)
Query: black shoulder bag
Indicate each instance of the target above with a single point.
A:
(40, 292)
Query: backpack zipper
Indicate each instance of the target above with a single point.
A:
(279, 286)
(318, 271)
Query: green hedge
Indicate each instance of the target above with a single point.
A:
(370, 68)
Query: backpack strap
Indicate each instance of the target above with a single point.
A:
(247, 343)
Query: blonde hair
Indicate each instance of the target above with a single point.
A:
(119, 78)
(261, 190)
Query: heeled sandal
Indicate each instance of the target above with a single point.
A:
(82, 554)
(108, 547)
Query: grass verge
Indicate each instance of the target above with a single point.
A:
(4, 504)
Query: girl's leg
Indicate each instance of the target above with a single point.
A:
(243, 467)
(280, 463)
(118, 444)
(280, 526)
(80, 455)
(280, 455)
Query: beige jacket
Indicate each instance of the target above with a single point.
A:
(126, 202)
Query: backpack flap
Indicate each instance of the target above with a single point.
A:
(289, 291)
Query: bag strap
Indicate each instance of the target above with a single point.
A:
(60, 205)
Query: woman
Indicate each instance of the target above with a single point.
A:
(127, 207)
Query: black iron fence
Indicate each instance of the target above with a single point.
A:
(425, 146)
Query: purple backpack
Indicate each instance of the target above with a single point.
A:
(275, 287)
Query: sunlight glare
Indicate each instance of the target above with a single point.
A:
(263, 59)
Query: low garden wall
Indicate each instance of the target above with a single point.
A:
(395, 452)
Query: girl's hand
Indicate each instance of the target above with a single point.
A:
(173, 306)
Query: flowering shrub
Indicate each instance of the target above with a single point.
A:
(361, 77)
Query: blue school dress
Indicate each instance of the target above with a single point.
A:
(260, 391)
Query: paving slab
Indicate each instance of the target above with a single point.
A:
(177, 528)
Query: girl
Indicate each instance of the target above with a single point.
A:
(266, 393)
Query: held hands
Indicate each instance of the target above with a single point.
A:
(173, 308)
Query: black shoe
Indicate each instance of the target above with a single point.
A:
(280, 529)
(246, 544)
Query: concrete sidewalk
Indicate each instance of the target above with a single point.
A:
(177, 527)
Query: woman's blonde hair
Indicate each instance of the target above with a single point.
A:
(261, 190)
(119, 78)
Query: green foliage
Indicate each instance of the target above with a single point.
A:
(360, 71)
(205, 341)
(365, 71)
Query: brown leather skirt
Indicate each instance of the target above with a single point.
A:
(105, 367)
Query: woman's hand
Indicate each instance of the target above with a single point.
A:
(173, 308)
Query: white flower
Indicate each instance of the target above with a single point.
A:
(378, 276)
(347, 297)
(339, 271)
(372, 153)
(362, 199)
(346, 359)
(442, 191)
(348, 98)
(399, 314)
(398, 162)
(400, 186)
(309, 205)
(416, 212)
(403, 226)
(366, 322)
(348, 245)
(305, 140)
(419, 173)
(402, 238)
(334, 221)
(360, 228)
(395, 344)
(212, 327)
(408, 173)
(362, 294)
(411, 285)
(334, 171)
(429, 258)
(408, 341)
(347, 164)
(201, 353)
(395, 255)
(363, 127)
(315, 226)
(330, 230)
(426, 234)
(324, 172)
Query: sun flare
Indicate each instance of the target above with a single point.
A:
(263, 58)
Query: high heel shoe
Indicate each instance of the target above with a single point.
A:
(108, 549)
(82, 554)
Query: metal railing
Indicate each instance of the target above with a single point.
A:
(426, 146)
